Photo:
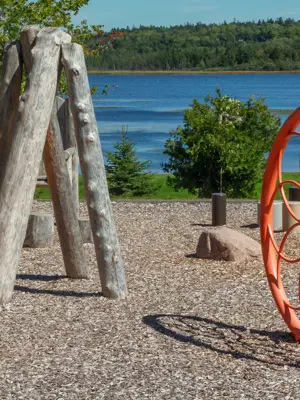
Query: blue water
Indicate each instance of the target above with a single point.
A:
(152, 105)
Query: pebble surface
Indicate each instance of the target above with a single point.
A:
(189, 329)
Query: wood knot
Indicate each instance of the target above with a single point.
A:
(108, 248)
(90, 138)
(76, 70)
(80, 107)
(90, 186)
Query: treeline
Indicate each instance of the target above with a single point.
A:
(263, 45)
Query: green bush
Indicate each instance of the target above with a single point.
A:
(221, 146)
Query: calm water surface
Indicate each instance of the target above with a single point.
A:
(152, 105)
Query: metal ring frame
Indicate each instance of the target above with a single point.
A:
(273, 254)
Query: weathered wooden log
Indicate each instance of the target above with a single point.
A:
(23, 162)
(85, 229)
(69, 154)
(70, 141)
(40, 230)
(110, 263)
(66, 125)
(63, 124)
(28, 37)
(9, 98)
(64, 208)
(61, 191)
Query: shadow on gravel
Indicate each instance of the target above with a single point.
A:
(203, 225)
(64, 293)
(250, 226)
(191, 255)
(44, 278)
(268, 347)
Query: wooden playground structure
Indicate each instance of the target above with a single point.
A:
(42, 138)
(30, 133)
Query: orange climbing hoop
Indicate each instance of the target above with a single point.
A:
(273, 254)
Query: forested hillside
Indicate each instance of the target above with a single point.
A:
(264, 45)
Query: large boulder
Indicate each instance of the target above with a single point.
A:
(228, 245)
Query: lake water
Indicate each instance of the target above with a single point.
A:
(152, 105)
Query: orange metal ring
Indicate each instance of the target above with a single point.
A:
(272, 253)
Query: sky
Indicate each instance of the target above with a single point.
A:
(122, 13)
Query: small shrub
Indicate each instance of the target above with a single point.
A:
(127, 176)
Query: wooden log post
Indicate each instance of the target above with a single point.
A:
(9, 98)
(61, 194)
(60, 187)
(70, 146)
(25, 155)
(85, 228)
(66, 124)
(40, 230)
(70, 142)
(69, 154)
(109, 260)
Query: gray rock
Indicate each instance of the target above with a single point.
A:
(228, 245)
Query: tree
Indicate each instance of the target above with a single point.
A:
(126, 174)
(15, 14)
(223, 141)
(234, 46)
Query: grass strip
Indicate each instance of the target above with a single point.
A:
(166, 192)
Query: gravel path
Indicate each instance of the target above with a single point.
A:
(190, 329)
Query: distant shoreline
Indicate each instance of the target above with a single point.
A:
(276, 111)
(188, 72)
(281, 111)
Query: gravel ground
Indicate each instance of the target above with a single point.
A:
(190, 328)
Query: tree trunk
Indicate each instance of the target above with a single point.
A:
(23, 162)
(61, 194)
(9, 99)
(110, 263)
